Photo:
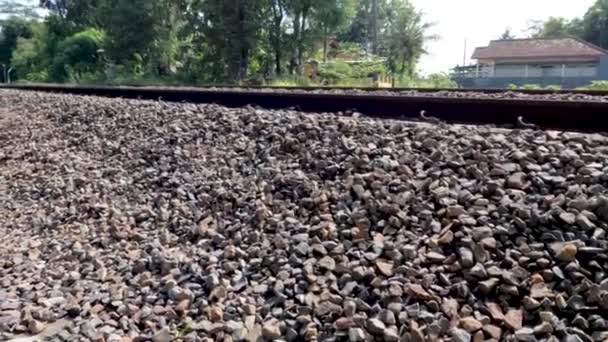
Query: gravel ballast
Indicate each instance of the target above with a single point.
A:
(126, 220)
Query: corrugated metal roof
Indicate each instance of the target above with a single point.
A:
(538, 48)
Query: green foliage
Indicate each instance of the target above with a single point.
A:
(527, 87)
(227, 38)
(592, 27)
(335, 72)
(596, 85)
(10, 31)
(130, 28)
(220, 41)
(366, 69)
(440, 80)
(368, 25)
(78, 56)
(331, 16)
(595, 24)
(291, 81)
(29, 57)
(405, 37)
(507, 34)
(349, 51)
(555, 27)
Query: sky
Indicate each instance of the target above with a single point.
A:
(479, 21)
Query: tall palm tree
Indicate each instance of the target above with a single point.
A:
(405, 35)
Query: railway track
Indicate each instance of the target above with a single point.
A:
(548, 109)
(125, 220)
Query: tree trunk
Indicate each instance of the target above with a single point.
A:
(374, 27)
(275, 37)
(277, 61)
(302, 30)
(325, 38)
(296, 36)
(244, 49)
(244, 65)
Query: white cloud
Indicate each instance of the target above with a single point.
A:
(479, 21)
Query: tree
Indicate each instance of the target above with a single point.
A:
(575, 28)
(166, 44)
(58, 7)
(78, 55)
(300, 11)
(30, 56)
(556, 27)
(229, 30)
(332, 16)
(10, 31)
(595, 24)
(277, 11)
(210, 41)
(316, 18)
(368, 24)
(405, 37)
(507, 34)
(130, 29)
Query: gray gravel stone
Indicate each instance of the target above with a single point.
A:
(460, 335)
(356, 335)
(127, 216)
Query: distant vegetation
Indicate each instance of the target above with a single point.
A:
(534, 87)
(195, 42)
(596, 85)
(592, 27)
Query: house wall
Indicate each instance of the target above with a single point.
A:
(603, 68)
(547, 70)
(506, 82)
(566, 74)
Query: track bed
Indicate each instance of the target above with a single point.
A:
(126, 219)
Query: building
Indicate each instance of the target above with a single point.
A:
(565, 62)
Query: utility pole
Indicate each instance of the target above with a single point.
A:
(464, 56)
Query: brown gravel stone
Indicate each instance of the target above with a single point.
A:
(514, 319)
(131, 216)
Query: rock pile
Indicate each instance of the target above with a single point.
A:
(131, 220)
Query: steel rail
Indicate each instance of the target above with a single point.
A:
(588, 116)
(591, 92)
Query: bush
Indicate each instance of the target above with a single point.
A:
(11, 30)
(596, 85)
(335, 72)
(525, 86)
(366, 69)
(440, 80)
(291, 81)
(78, 56)
(29, 57)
